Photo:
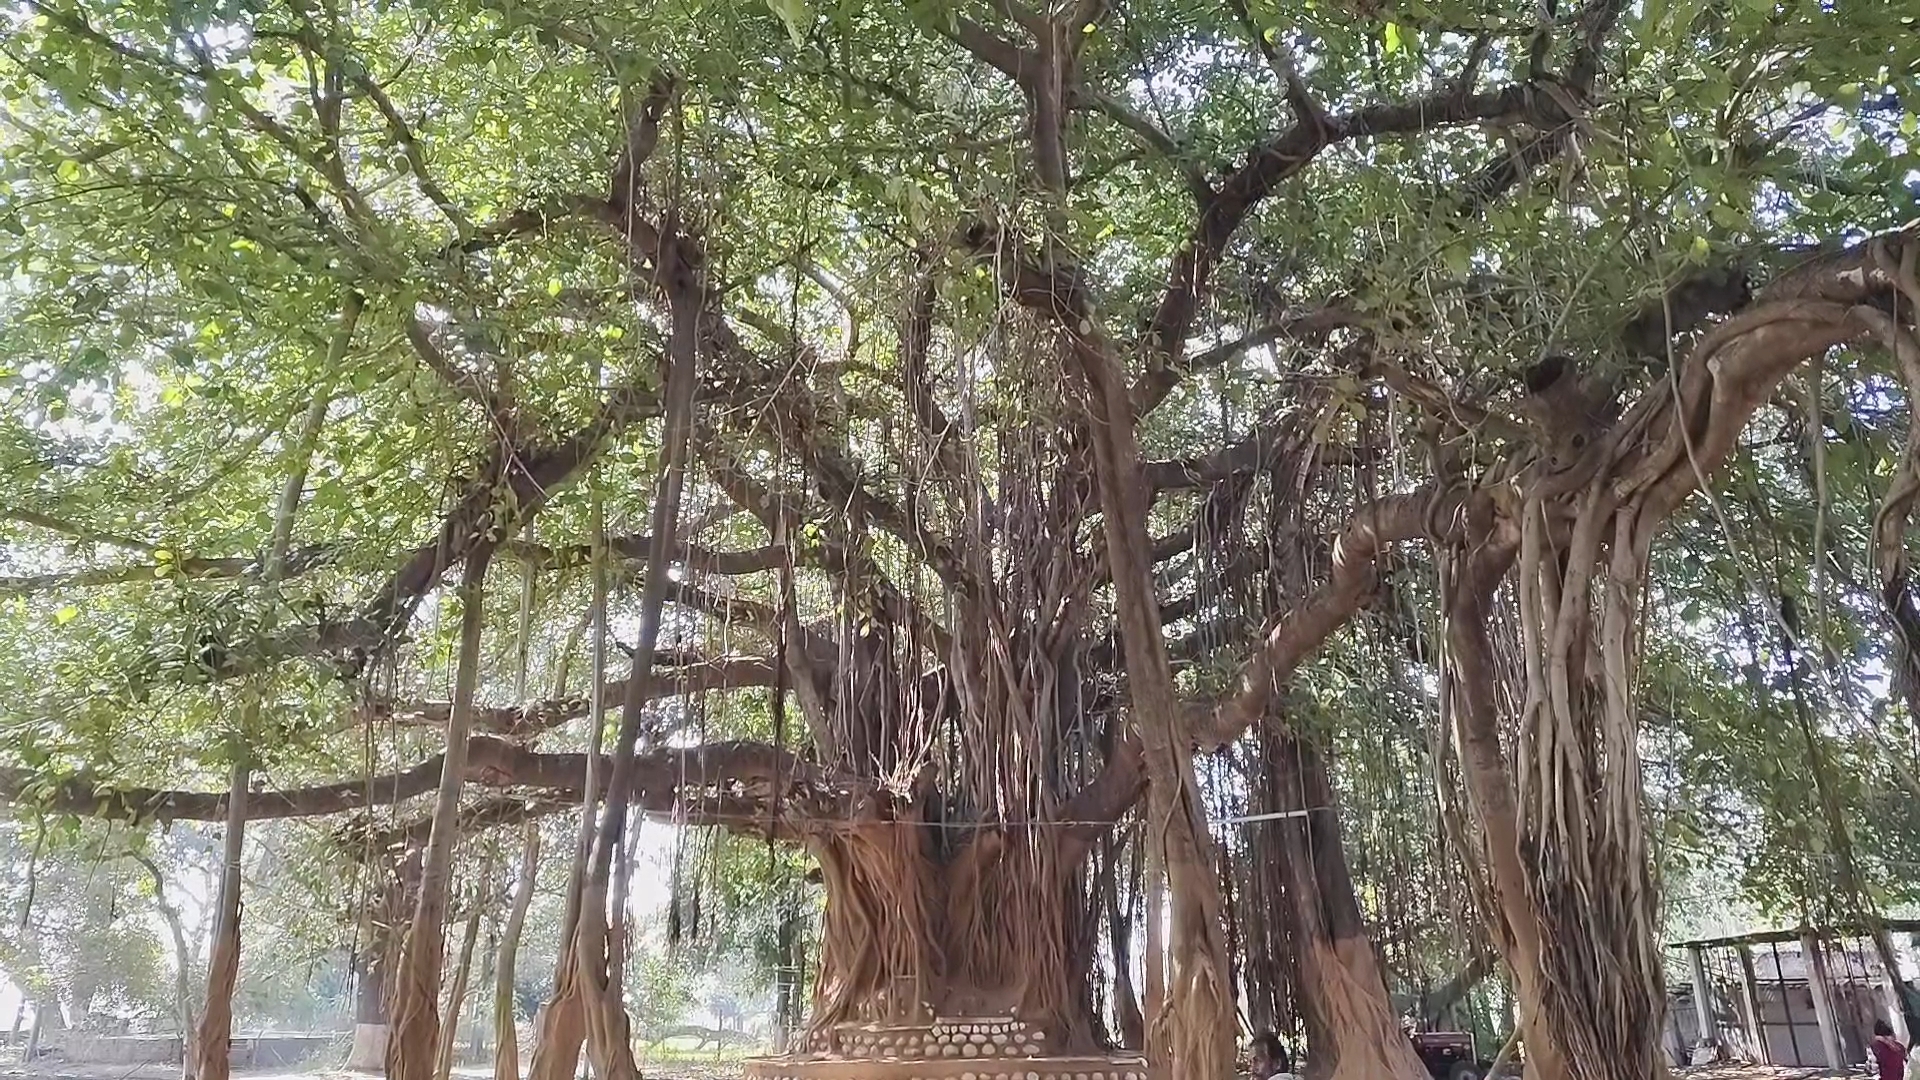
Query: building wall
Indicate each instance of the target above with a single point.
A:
(1786, 1012)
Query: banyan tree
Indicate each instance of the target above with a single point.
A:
(917, 434)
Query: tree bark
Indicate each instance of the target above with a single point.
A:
(415, 985)
(34, 1033)
(506, 1035)
(1490, 785)
(1199, 1014)
(210, 1053)
(560, 1023)
(384, 917)
(1352, 1029)
(457, 1000)
(608, 1040)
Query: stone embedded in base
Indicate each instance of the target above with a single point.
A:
(1047, 1068)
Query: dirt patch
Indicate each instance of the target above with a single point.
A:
(1763, 1072)
(60, 1070)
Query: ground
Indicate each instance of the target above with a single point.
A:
(53, 1070)
(1761, 1073)
(688, 1070)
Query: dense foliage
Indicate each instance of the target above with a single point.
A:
(301, 305)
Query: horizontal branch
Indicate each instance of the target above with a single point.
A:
(83, 533)
(522, 722)
(661, 777)
(1260, 449)
(636, 548)
(194, 567)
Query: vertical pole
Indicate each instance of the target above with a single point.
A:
(1786, 1004)
(1896, 986)
(1705, 1033)
(1822, 988)
(1750, 1004)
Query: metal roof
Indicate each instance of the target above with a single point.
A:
(1778, 937)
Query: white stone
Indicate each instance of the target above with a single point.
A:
(970, 1050)
(1000, 1038)
(977, 1038)
(949, 1050)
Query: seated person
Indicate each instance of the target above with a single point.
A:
(1269, 1059)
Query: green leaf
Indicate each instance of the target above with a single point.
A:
(553, 286)
(68, 172)
(797, 16)
(65, 615)
(1392, 35)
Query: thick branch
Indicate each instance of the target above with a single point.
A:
(496, 763)
(1298, 633)
(1282, 157)
(718, 673)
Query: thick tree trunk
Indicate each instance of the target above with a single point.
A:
(1490, 789)
(385, 915)
(506, 1036)
(415, 984)
(457, 1000)
(39, 1029)
(993, 929)
(1199, 1015)
(1352, 1029)
(368, 1053)
(208, 1056)
(560, 1024)
(1436, 1007)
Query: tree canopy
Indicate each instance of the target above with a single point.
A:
(1424, 319)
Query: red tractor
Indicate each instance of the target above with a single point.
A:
(1450, 1055)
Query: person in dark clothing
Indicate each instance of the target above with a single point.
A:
(1269, 1059)
(1889, 1057)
